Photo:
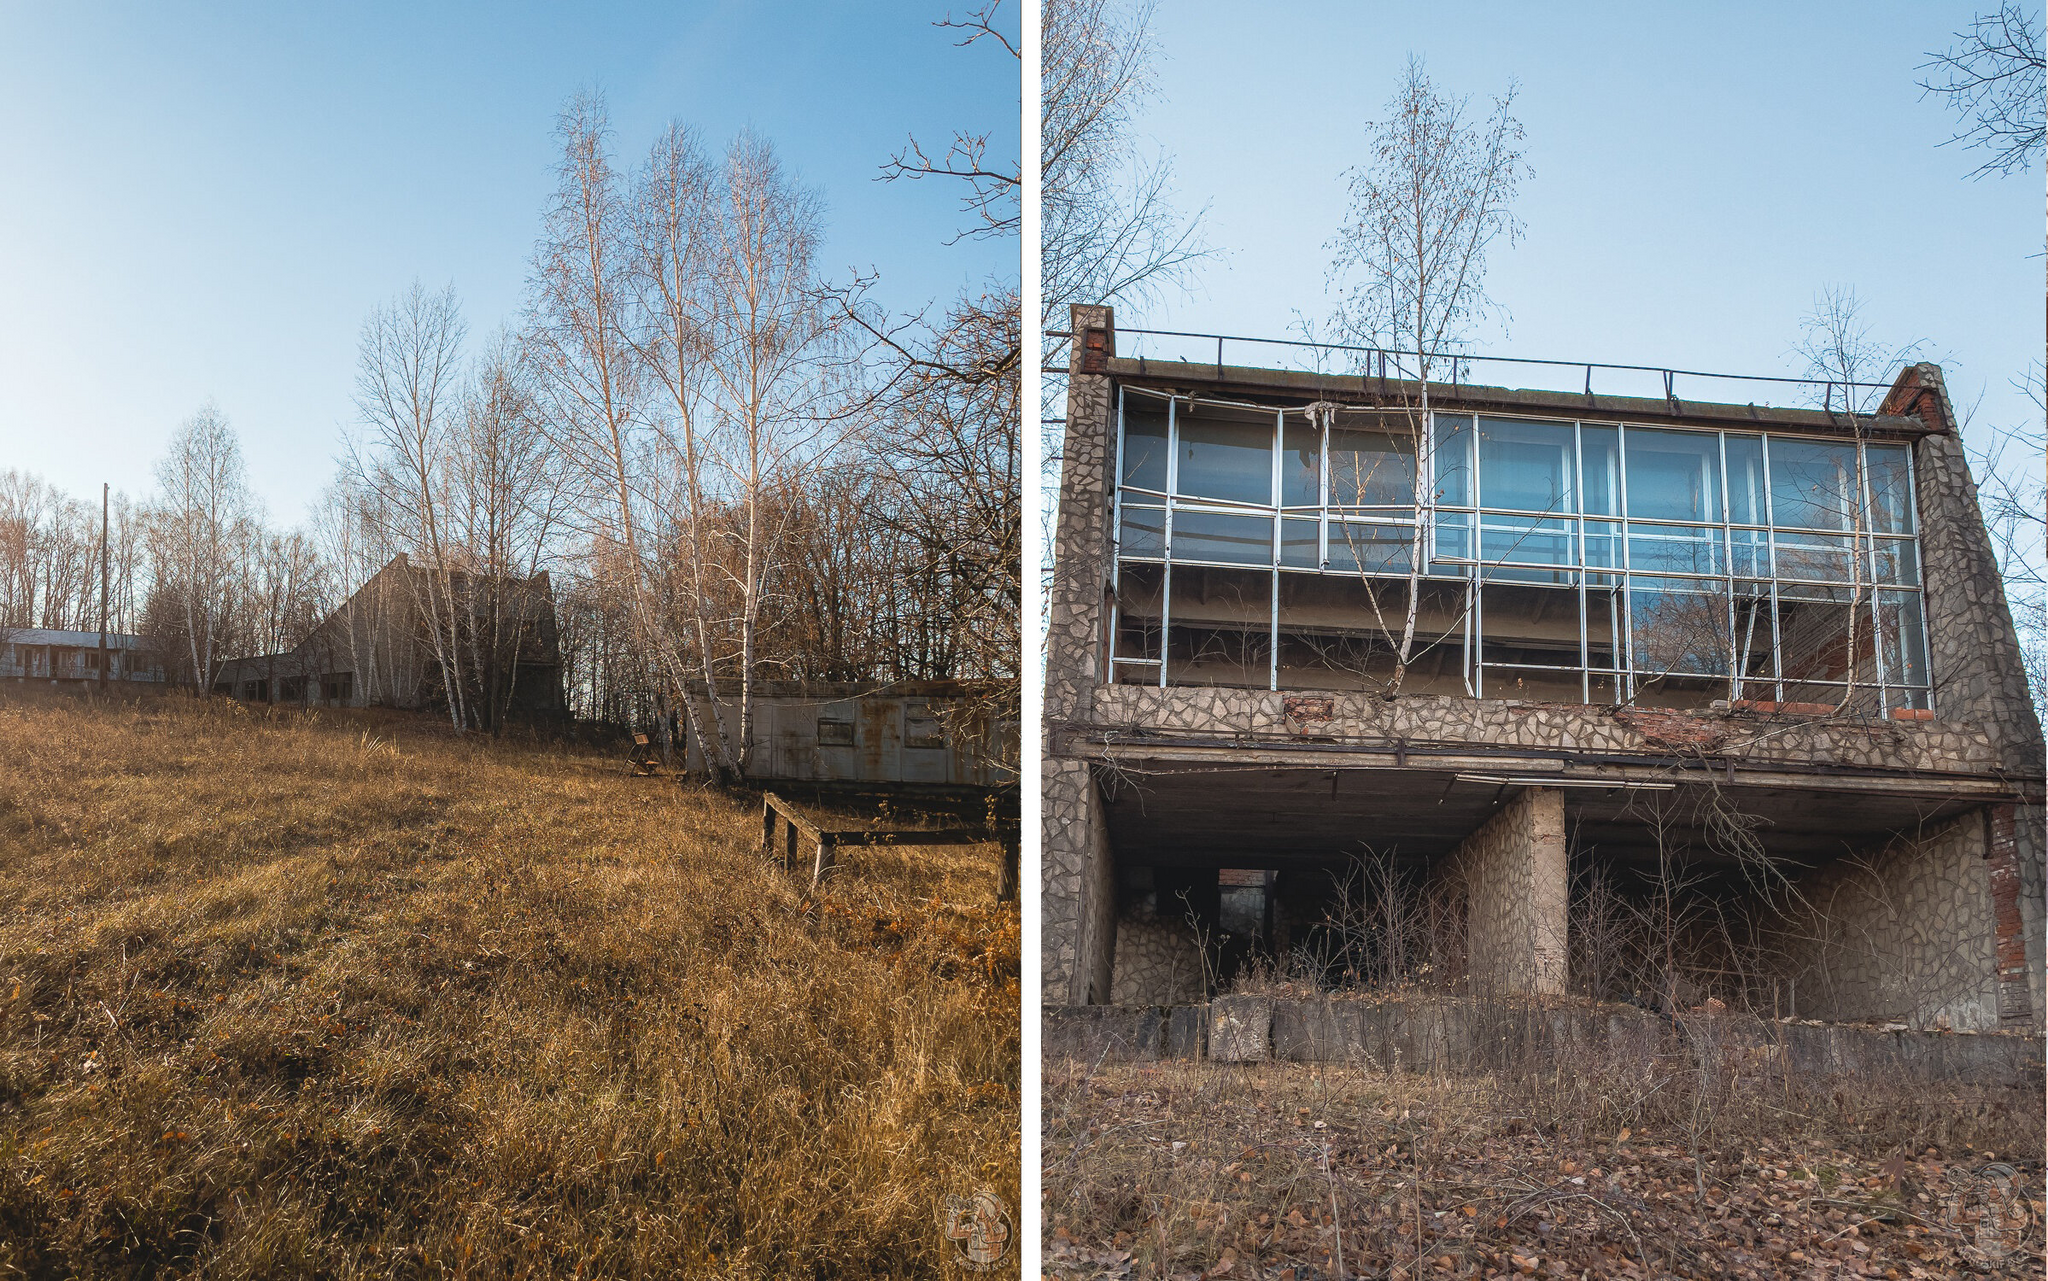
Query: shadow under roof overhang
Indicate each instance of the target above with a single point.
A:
(1233, 810)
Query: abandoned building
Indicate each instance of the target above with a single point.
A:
(1741, 674)
(68, 658)
(922, 732)
(377, 650)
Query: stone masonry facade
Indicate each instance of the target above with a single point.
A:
(1513, 877)
(1941, 927)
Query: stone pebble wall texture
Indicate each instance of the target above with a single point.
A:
(1516, 890)
(1157, 962)
(1132, 712)
(1907, 934)
(1973, 649)
(1077, 886)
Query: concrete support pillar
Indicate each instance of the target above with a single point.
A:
(1077, 902)
(1516, 891)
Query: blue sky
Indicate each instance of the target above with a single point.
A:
(205, 201)
(1701, 172)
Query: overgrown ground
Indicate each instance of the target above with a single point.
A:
(1187, 1170)
(340, 995)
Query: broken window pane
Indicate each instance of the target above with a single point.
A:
(1357, 547)
(1301, 463)
(1673, 475)
(1525, 466)
(1217, 536)
(1137, 611)
(1144, 445)
(1813, 483)
(1675, 628)
(1372, 468)
(1813, 634)
(1225, 454)
(1339, 633)
(1603, 627)
(1219, 628)
(1529, 626)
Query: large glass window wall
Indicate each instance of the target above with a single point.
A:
(1577, 561)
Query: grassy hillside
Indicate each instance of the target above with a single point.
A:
(342, 995)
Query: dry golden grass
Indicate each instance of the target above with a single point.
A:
(340, 995)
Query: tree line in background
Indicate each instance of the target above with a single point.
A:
(731, 470)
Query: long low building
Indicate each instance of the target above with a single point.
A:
(62, 657)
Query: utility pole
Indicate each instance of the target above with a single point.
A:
(103, 587)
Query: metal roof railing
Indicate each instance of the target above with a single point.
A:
(1653, 382)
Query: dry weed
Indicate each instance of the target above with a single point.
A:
(341, 995)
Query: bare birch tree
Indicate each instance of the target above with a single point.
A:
(407, 391)
(199, 535)
(772, 334)
(1409, 261)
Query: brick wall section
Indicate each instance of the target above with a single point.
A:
(1516, 888)
(2002, 866)
(1904, 934)
(1077, 902)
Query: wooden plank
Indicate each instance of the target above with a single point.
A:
(911, 836)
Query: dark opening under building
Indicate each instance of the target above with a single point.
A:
(1541, 690)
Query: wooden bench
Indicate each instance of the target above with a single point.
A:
(784, 828)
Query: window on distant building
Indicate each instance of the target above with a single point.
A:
(1570, 561)
(834, 733)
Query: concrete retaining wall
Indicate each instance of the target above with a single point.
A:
(1468, 1036)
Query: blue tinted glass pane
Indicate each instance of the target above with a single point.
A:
(1827, 558)
(1897, 561)
(1370, 549)
(1813, 483)
(1902, 632)
(1675, 629)
(1143, 532)
(1301, 544)
(1453, 536)
(1454, 460)
(1230, 458)
(1674, 549)
(1525, 466)
(1603, 544)
(1751, 549)
(1301, 463)
(1525, 541)
(1600, 466)
(1144, 445)
(1371, 469)
(1891, 492)
(1746, 504)
(1211, 536)
(1673, 475)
